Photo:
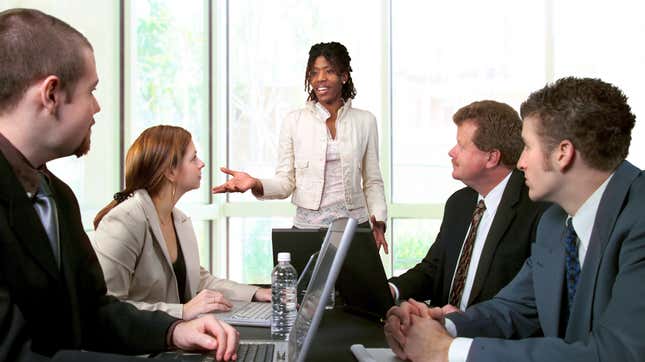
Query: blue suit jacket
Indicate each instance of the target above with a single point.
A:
(607, 322)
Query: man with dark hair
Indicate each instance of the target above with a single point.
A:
(29, 51)
(52, 291)
(488, 226)
(579, 288)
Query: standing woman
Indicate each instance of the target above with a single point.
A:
(147, 247)
(328, 152)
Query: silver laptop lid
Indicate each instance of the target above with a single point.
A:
(330, 261)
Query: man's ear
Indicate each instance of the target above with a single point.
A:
(50, 93)
(564, 154)
(494, 158)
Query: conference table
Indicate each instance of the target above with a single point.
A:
(337, 332)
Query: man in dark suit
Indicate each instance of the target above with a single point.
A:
(52, 291)
(484, 158)
(582, 285)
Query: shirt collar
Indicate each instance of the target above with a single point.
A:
(322, 112)
(494, 197)
(585, 217)
(26, 173)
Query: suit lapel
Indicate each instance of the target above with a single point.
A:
(157, 235)
(24, 221)
(547, 255)
(503, 218)
(188, 243)
(69, 242)
(153, 221)
(608, 210)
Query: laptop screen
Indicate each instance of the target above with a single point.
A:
(328, 265)
(301, 243)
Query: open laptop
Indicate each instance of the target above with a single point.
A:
(332, 255)
(258, 314)
(362, 282)
(254, 314)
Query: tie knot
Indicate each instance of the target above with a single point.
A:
(570, 228)
(481, 207)
(43, 187)
(571, 236)
(479, 210)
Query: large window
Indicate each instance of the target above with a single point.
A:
(455, 58)
(266, 68)
(594, 39)
(229, 71)
(487, 52)
(167, 83)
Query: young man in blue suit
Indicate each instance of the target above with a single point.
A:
(52, 292)
(578, 296)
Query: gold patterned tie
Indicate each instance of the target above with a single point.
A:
(466, 252)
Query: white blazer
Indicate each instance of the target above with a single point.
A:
(302, 155)
(136, 263)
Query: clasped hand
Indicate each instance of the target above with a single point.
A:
(416, 332)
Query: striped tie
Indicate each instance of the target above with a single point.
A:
(464, 260)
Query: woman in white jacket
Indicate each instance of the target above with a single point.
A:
(147, 247)
(328, 152)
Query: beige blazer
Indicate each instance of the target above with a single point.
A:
(302, 153)
(136, 264)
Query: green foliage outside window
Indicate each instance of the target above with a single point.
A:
(169, 75)
(258, 254)
(412, 239)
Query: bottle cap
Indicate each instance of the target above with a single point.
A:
(284, 256)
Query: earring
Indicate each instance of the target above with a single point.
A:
(174, 191)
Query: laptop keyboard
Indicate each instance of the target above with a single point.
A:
(247, 352)
(258, 311)
(255, 352)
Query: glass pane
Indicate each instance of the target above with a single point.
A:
(94, 178)
(267, 66)
(168, 74)
(495, 50)
(201, 233)
(412, 240)
(584, 49)
(250, 252)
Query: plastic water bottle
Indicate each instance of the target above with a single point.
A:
(283, 297)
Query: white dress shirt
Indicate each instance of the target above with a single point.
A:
(583, 222)
(491, 201)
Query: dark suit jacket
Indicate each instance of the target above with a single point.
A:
(608, 316)
(44, 309)
(507, 246)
